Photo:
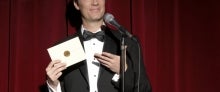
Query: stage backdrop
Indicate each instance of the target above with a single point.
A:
(179, 40)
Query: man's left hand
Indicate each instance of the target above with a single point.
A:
(110, 61)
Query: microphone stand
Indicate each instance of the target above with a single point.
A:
(123, 60)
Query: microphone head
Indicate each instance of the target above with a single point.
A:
(108, 18)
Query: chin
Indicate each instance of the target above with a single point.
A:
(97, 17)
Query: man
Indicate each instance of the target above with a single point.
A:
(100, 72)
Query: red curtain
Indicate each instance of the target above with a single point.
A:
(179, 39)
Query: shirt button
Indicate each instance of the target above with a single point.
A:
(93, 43)
(94, 75)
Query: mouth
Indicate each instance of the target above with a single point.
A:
(95, 9)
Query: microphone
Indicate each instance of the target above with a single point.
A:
(109, 18)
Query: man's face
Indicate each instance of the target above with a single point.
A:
(91, 10)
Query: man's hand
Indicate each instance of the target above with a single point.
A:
(110, 61)
(53, 71)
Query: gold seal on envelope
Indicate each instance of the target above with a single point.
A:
(69, 52)
(66, 53)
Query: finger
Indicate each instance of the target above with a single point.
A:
(105, 65)
(56, 68)
(57, 73)
(100, 57)
(53, 62)
(104, 62)
(60, 64)
(55, 77)
(108, 55)
(96, 55)
(106, 59)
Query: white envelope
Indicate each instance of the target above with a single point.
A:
(69, 52)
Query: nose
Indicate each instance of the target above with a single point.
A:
(95, 2)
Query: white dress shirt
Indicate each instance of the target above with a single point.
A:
(91, 47)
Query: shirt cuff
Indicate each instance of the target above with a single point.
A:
(115, 78)
(51, 89)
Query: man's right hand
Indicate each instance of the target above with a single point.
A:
(54, 71)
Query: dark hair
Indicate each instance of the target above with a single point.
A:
(73, 16)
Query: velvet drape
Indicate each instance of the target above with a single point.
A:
(179, 41)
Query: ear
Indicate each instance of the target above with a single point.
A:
(75, 3)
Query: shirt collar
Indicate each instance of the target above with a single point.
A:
(83, 28)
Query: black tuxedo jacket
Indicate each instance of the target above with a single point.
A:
(75, 78)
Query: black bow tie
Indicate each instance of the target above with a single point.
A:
(89, 35)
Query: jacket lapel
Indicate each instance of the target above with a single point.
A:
(83, 68)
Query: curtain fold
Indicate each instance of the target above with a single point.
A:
(179, 40)
(4, 47)
(35, 25)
